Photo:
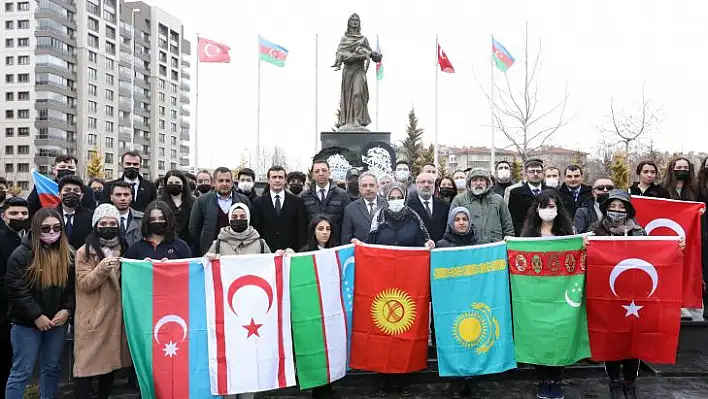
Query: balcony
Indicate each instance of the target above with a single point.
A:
(44, 12)
(184, 162)
(184, 86)
(184, 98)
(184, 112)
(56, 33)
(53, 140)
(184, 150)
(185, 74)
(186, 63)
(184, 123)
(123, 136)
(184, 135)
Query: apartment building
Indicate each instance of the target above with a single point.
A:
(92, 76)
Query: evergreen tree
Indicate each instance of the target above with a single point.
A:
(413, 143)
(516, 169)
(426, 156)
(619, 171)
(442, 166)
(94, 169)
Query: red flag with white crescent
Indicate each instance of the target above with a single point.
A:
(664, 217)
(211, 51)
(633, 296)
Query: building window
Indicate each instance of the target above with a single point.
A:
(109, 127)
(9, 132)
(92, 139)
(92, 90)
(9, 78)
(10, 60)
(163, 69)
(109, 142)
(173, 101)
(109, 110)
(9, 7)
(23, 132)
(109, 79)
(93, 57)
(9, 150)
(163, 56)
(161, 84)
(161, 124)
(23, 78)
(93, 24)
(173, 153)
(92, 73)
(110, 48)
(162, 110)
(92, 123)
(23, 6)
(23, 114)
(23, 42)
(92, 106)
(23, 60)
(9, 43)
(22, 149)
(9, 25)
(110, 64)
(161, 137)
(161, 151)
(109, 94)
(9, 114)
(109, 158)
(174, 62)
(173, 114)
(92, 40)
(173, 127)
(110, 32)
(161, 95)
(23, 24)
(10, 96)
(173, 140)
(175, 75)
(23, 96)
(23, 167)
(174, 87)
(9, 167)
(161, 165)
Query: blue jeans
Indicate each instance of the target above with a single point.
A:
(27, 343)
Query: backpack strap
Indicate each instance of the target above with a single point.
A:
(262, 245)
(218, 245)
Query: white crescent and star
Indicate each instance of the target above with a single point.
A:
(206, 50)
(569, 301)
(273, 53)
(441, 53)
(499, 55)
(668, 223)
(250, 280)
(629, 264)
(170, 318)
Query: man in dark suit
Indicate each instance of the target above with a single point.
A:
(77, 220)
(573, 192)
(64, 165)
(432, 210)
(279, 216)
(357, 215)
(521, 198)
(143, 190)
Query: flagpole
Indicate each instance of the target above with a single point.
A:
(437, 58)
(491, 109)
(258, 115)
(317, 59)
(377, 88)
(196, 113)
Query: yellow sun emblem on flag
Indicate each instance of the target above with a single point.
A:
(477, 328)
(393, 311)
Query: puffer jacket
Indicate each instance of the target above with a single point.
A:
(333, 205)
(490, 215)
(27, 302)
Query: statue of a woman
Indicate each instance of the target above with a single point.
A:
(355, 53)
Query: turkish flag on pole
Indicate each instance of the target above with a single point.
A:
(664, 217)
(391, 309)
(444, 62)
(633, 296)
(211, 51)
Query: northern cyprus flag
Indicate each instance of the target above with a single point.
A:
(248, 323)
(318, 316)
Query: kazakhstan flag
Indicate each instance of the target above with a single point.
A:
(472, 310)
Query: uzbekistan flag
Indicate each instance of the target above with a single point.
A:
(379, 65)
(164, 306)
(271, 52)
(47, 190)
(318, 317)
(502, 57)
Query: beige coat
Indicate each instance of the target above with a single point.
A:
(100, 343)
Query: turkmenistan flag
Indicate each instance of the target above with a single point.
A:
(547, 285)
(318, 316)
(164, 305)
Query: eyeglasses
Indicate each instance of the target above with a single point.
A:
(48, 229)
(604, 188)
(534, 171)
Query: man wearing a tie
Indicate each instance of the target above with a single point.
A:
(432, 211)
(76, 219)
(142, 191)
(521, 198)
(356, 222)
(573, 192)
(120, 195)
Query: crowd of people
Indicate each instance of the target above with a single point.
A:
(60, 267)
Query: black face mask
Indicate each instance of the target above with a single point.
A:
(108, 233)
(204, 188)
(18, 224)
(239, 225)
(448, 192)
(602, 197)
(131, 173)
(64, 172)
(295, 188)
(353, 189)
(158, 228)
(681, 174)
(71, 200)
(97, 194)
(173, 189)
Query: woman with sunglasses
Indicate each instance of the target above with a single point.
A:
(39, 284)
(590, 213)
(100, 344)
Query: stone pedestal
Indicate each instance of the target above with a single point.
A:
(353, 141)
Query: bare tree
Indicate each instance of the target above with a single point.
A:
(516, 112)
(279, 157)
(264, 162)
(630, 126)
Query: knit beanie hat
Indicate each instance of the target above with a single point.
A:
(105, 210)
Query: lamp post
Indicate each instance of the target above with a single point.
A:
(132, 78)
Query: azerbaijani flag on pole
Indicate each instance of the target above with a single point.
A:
(502, 57)
(379, 65)
(164, 306)
(318, 317)
(548, 308)
(272, 53)
(47, 190)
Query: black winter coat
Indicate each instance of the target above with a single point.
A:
(571, 205)
(27, 303)
(654, 190)
(333, 205)
(454, 239)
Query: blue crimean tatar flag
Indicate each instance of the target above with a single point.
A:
(472, 310)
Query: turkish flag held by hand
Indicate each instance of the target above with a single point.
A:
(211, 51)
(633, 297)
(391, 309)
(663, 217)
(444, 62)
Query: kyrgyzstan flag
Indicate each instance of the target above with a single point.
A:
(391, 306)
(663, 217)
(248, 322)
(634, 298)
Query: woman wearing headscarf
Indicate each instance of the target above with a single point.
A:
(100, 344)
(459, 230)
(239, 237)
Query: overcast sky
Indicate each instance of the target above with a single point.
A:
(602, 49)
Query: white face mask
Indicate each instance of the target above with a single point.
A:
(552, 183)
(245, 186)
(503, 174)
(547, 214)
(460, 184)
(395, 205)
(402, 175)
